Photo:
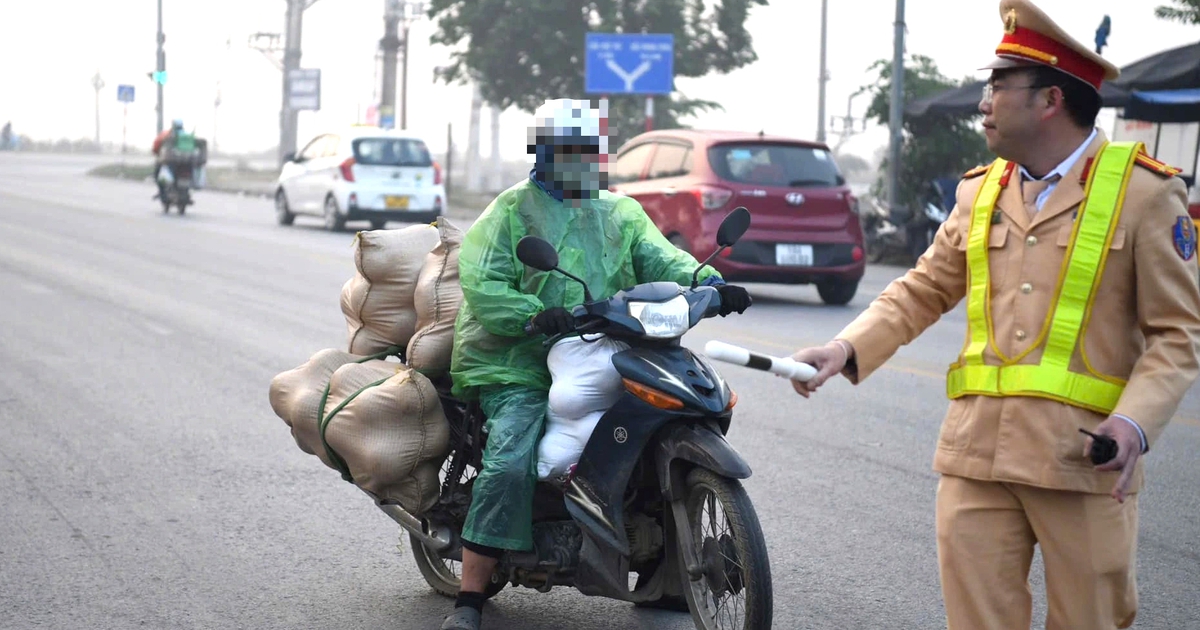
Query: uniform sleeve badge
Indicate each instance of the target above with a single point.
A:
(1185, 237)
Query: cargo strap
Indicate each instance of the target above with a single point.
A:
(323, 420)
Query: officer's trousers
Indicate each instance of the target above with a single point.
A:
(986, 533)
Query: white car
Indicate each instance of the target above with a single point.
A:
(363, 174)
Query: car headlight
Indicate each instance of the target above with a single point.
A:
(662, 320)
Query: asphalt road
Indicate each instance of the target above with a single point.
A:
(145, 481)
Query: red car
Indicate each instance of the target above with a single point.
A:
(804, 225)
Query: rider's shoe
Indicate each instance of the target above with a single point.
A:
(463, 618)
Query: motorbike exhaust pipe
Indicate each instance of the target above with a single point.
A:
(435, 538)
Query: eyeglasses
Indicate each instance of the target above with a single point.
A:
(989, 90)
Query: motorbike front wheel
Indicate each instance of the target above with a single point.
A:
(734, 592)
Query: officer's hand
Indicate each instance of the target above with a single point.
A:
(829, 360)
(733, 298)
(553, 321)
(1129, 449)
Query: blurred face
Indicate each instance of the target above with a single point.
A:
(1014, 108)
(579, 171)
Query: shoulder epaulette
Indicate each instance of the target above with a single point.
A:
(976, 172)
(1161, 168)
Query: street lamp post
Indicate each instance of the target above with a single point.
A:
(98, 84)
(896, 119)
(823, 77)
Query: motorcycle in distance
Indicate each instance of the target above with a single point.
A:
(901, 232)
(656, 491)
(182, 172)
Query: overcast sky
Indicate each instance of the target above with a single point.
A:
(51, 50)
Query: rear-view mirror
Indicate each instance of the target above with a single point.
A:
(733, 227)
(537, 253)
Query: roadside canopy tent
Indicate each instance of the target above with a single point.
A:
(1164, 106)
(964, 100)
(1175, 69)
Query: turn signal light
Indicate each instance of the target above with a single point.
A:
(652, 396)
(732, 400)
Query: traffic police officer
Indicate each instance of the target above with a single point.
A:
(1077, 261)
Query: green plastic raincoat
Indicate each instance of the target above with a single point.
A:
(608, 242)
(611, 244)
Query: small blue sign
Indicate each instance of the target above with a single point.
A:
(125, 93)
(629, 64)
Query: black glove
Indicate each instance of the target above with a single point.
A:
(553, 321)
(733, 298)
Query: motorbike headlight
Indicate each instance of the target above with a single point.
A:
(662, 320)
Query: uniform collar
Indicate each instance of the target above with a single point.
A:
(1064, 167)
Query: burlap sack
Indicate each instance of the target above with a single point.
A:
(296, 395)
(378, 300)
(385, 424)
(386, 429)
(437, 298)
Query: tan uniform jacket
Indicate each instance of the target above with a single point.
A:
(1145, 326)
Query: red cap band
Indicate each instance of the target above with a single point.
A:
(1031, 45)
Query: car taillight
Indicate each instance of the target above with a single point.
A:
(712, 197)
(437, 173)
(853, 201)
(347, 169)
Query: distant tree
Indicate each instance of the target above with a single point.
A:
(853, 166)
(935, 145)
(524, 53)
(1186, 11)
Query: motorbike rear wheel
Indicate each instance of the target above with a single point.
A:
(444, 574)
(735, 591)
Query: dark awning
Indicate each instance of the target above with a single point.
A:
(964, 100)
(1165, 106)
(1175, 69)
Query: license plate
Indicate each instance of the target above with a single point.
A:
(787, 254)
(396, 202)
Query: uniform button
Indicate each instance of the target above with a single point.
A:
(1031, 241)
(1020, 335)
(1026, 288)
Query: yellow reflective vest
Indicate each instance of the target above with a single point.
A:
(1078, 279)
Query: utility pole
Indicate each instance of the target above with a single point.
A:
(473, 171)
(293, 28)
(98, 84)
(216, 117)
(160, 67)
(824, 76)
(390, 47)
(288, 117)
(896, 119)
(398, 16)
(847, 123)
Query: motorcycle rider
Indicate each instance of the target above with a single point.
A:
(165, 138)
(605, 239)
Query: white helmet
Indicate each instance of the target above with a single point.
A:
(567, 122)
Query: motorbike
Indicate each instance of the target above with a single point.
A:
(181, 172)
(656, 492)
(177, 189)
(901, 231)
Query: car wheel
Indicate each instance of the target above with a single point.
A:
(837, 292)
(334, 221)
(283, 215)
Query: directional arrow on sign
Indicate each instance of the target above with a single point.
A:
(628, 77)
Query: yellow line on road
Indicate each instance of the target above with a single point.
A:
(1192, 422)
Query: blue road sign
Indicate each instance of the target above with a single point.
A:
(125, 93)
(629, 64)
